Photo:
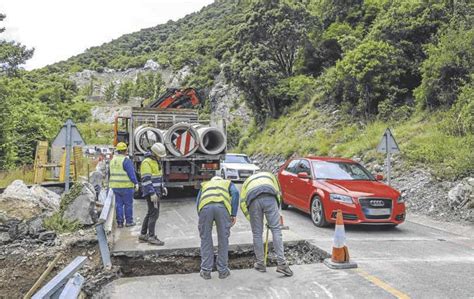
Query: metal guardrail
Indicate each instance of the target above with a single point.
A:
(100, 230)
(61, 283)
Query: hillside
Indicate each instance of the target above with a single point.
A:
(406, 64)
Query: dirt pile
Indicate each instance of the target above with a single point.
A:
(22, 263)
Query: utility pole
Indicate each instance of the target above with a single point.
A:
(69, 124)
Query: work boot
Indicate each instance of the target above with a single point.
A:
(205, 274)
(155, 241)
(284, 269)
(119, 225)
(142, 238)
(130, 224)
(224, 275)
(260, 267)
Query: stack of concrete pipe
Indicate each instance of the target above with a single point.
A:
(194, 138)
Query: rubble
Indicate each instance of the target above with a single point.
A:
(80, 204)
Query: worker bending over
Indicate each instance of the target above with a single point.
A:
(122, 181)
(261, 195)
(217, 202)
(152, 190)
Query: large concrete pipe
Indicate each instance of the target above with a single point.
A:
(212, 141)
(145, 137)
(182, 140)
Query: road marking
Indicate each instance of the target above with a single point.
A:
(381, 284)
(328, 293)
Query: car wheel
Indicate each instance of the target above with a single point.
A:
(317, 212)
(284, 206)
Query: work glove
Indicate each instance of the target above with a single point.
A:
(233, 220)
(154, 199)
(165, 191)
(137, 187)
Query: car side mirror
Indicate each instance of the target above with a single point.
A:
(303, 175)
(379, 177)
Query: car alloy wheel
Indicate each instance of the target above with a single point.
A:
(317, 212)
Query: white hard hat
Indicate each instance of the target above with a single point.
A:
(159, 150)
(216, 178)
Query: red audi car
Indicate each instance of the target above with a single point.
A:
(322, 185)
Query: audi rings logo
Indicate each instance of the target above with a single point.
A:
(377, 203)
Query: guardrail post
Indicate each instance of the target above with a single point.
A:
(73, 287)
(60, 279)
(101, 234)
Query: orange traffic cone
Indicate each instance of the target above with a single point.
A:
(340, 253)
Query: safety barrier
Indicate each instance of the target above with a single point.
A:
(66, 284)
(100, 230)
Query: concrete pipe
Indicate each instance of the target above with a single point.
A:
(145, 137)
(212, 141)
(182, 140)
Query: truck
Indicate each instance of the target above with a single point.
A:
(188, 167)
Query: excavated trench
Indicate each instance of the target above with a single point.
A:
(185, 261)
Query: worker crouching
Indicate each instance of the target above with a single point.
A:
(217, 202)
(261, 196)
(152, 190)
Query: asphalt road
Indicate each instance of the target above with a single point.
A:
(418, 259)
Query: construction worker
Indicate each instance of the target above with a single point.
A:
(218, 202)
(122, 181)
(152, 190)
(261, 195)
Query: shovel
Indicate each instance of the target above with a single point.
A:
(282, 227)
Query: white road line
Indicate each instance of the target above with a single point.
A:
(328, 293)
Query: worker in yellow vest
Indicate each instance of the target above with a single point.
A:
(122, 181)
(261, 196)
(217, 201)
(152, 190)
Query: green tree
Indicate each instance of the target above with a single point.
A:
(12, 54)
(449, 66)
(110, 92)
(125, 91)
(365, 77)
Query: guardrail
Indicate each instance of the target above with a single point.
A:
(100, 230)
(66, 283)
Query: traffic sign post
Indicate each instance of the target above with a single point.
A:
(388, 145)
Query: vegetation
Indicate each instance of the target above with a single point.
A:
(56, 222)
(407, 64)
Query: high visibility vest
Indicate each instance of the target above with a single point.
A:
(254, 181)
(215, 192)
(118, 176)
(151, 175)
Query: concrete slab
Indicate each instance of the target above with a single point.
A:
(177, 226)
(309, 281)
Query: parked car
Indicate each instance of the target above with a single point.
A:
(237, 167)
(322, 185)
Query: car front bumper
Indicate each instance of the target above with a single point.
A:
(360, 213)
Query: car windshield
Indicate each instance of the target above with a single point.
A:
(341, 171)
(236, 159)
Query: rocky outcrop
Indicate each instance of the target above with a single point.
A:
(462, 195)
(226, 102)
(22, 203)
(22, 211)
(107, 114)
(80, 201)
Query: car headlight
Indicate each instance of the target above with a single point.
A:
(340, 198)
(401, 199)
(232, 171)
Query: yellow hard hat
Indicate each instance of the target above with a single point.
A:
(121, 146)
